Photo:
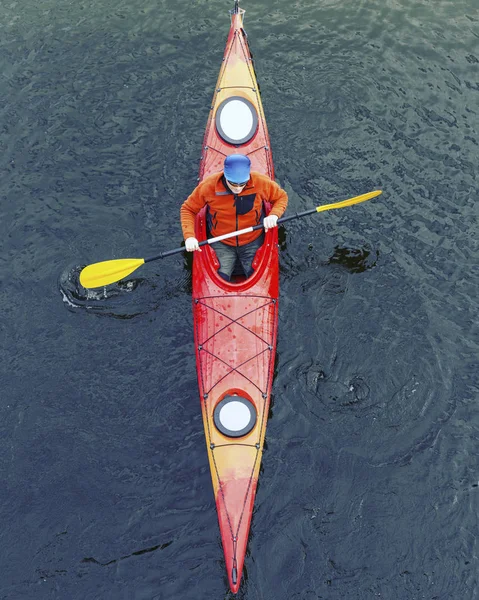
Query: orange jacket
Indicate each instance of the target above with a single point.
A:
(227, 212)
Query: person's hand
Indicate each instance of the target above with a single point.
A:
(191, 244)
(269, 222)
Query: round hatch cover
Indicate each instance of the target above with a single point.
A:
(236, 120)
(234, 416)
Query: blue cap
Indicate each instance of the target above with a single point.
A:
(237, 168)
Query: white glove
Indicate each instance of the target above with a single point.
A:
(191, 244)
(269, 222)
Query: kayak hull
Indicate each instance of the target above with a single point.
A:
(235, 340)
(235, 324)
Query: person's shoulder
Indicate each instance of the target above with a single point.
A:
(257, 176)
(207, 184)
(261, 178)
(212, 179)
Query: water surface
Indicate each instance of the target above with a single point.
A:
(369, 484)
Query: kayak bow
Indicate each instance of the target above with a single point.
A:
(235, 323)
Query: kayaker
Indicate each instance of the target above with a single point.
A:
(235, 200)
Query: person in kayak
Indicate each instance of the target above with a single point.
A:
(235, 200)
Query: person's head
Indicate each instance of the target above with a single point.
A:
(237, 168)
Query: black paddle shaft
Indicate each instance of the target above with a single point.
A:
(213, 241)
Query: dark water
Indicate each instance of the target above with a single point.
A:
(369, 486)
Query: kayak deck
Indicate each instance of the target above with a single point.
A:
(235, 338)
(235, 324)
(237, 80)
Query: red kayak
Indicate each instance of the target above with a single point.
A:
(235, 323)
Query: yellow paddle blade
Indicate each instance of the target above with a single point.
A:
(108, 271)
(350, 202)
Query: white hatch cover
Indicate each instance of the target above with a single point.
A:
(234, 416)
(236, 120)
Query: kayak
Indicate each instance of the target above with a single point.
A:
(235, 323)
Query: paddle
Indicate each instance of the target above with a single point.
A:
(110, 271)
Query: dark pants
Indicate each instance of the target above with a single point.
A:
(228, 255)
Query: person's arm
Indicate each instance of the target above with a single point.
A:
(278, 198)
(188, 211)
